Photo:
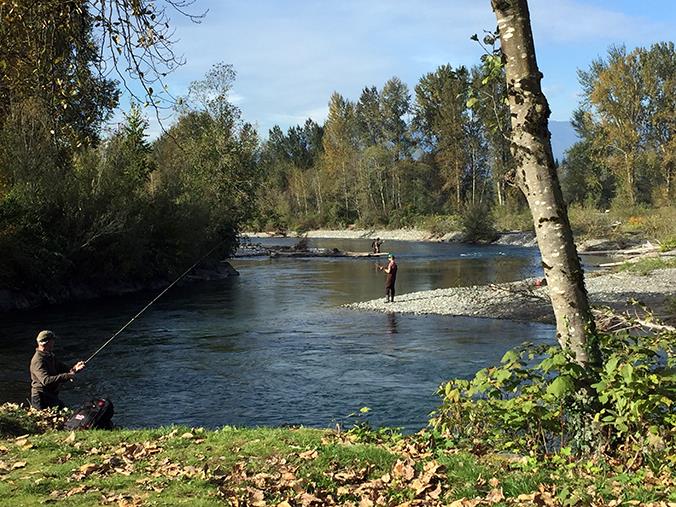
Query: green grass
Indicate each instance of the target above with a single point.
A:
(183, 466)
(647, 266)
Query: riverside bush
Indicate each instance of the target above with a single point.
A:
(538, 401)
(478, 225)
(439, 225)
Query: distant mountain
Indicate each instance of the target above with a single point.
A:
(563, 137)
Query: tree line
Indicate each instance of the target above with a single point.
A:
(82, 203)
(395, 156)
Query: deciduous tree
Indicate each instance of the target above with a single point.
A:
(537, 178)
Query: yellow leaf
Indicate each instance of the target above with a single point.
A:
(19, 464)
(70, 438)
(311, 454)
(75, 491)
(436, 492)
(403, 470)
(88, 469)
(495, 496)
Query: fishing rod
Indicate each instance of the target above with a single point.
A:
(153, 301)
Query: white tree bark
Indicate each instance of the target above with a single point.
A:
(538, 179)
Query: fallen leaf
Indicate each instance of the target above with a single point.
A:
(495, 495)
(88, 469)
(311, 454)
(187, 435)
(23, 443)
(76, 491)
(19, 464)
(257, 498)
(307, 499)
(403, 470)
(436, 492)
(70, 438)
(494, 482)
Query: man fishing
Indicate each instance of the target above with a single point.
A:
(48, 373)
(391, 270)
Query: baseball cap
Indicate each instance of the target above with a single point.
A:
(390, 256)
(45, 336)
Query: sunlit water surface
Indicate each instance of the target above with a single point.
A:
(273, 347)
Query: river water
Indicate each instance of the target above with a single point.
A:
(273, 346)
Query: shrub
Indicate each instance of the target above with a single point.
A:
(478, 225)
(16, 420)
(539, 401)
(439, 225)
(508, 219)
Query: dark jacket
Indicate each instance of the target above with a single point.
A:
(47, 374)
(391, 274)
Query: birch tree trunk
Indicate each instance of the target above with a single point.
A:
(537, 178)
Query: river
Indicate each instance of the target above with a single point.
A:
(273, 346)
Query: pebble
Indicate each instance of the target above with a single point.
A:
(521, 300)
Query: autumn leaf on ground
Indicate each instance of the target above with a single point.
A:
(311, 454)
(403, 470)
(495, 495)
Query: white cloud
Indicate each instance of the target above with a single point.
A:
(291, 55)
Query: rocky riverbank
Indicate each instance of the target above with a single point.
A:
(506, 238)
(522, 300)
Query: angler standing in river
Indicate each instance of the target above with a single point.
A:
(48, 373)
(391, 270)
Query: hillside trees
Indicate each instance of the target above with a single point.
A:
(77, 207)
(628, 111)
(441, 117)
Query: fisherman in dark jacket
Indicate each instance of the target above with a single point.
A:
(391, 270)
(48, 373)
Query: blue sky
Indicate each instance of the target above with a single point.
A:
(290, 55)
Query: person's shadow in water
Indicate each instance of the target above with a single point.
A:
(392, 323)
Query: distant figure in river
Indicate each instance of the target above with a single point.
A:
(391, 270)
(375, 245)
(48, 373)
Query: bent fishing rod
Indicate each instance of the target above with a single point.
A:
(153, 301)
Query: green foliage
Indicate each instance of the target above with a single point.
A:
(362, 431)
(123, 211)
(646, 266)
(668, 244)
(642, 222)
(508, 218)
(627, 144)
(539, 401)
(439, 225)
(478, 224)
(16, 420)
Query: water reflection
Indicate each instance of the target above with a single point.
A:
(392, 323)
(274, 347)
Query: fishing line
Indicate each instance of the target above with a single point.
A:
(153, 301)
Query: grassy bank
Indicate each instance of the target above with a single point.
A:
(299, 466)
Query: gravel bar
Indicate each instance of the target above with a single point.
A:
(524, 301)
